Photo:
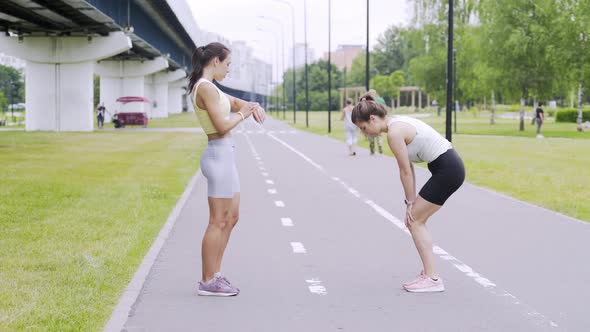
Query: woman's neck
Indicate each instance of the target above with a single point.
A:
(208, 74)
(385, 128)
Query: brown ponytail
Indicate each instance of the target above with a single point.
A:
(366, 107)
(201, 58)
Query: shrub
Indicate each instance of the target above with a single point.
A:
(571, 115)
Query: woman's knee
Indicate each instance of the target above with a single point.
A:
(234, 217)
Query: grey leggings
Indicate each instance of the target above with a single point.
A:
(218, 164)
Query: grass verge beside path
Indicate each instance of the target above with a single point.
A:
(547, 172)
(179, 120)
(78, 212)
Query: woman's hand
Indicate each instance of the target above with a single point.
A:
(259, 114)
(247, 109)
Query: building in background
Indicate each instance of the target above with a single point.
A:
(300, 56)
(344, 55)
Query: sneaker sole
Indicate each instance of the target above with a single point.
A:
(435, 289)
(206, 293)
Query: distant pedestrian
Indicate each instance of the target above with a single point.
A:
(413, 141)
(100, 113)
(349, 128)
(539, 119)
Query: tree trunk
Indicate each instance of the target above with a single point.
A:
(521, 126)
(492, 120)
(580, 99)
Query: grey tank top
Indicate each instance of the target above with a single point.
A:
(427, 145)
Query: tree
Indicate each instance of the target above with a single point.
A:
(573, 53)
(518, 34)
(356, 74)
(389, 51)
(12, 84)
(3, 102)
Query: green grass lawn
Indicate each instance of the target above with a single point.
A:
(549, 172)
(78, 212)
(180, 120)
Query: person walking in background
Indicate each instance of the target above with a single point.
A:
(413, 141)
(349, 128)
(218, 113)
(100, 113)
(539, 119)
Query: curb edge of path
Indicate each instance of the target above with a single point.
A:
(123, 308)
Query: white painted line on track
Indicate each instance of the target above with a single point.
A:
(252, 148)
(272, 191)
(264, 174)
(464, 268)
(279, 203)
(306, 158)
(270, 182)
(287, 222)
(315, 286)
(298, 248)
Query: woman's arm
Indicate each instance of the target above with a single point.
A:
(237, 104)
(397, 143)
(210, 97)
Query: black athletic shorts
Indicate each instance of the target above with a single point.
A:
(448, 174)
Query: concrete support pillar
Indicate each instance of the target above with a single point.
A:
(413, 97)
(175, 92)
(59, 77)
(175, 89)
(399, 99)
(420, 99)
(127, 78)
(189, 103)
(149, 92)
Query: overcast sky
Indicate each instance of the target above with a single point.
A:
(239, 20)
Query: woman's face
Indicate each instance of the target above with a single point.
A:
(222, 68)
(370, 127)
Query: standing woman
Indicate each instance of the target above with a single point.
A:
(412, 141)
(218, 113)
(349, 128)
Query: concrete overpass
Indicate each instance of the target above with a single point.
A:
(137, 47)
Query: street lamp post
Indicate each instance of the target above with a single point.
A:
(293, 60)
(449, 73)
(456, 108)
(367, 52)
(275, 20)
(329, 66)
(306, 83)
(277, 62)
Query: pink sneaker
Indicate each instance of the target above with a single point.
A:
(420, 276)
(216, 287)
(426, 285)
